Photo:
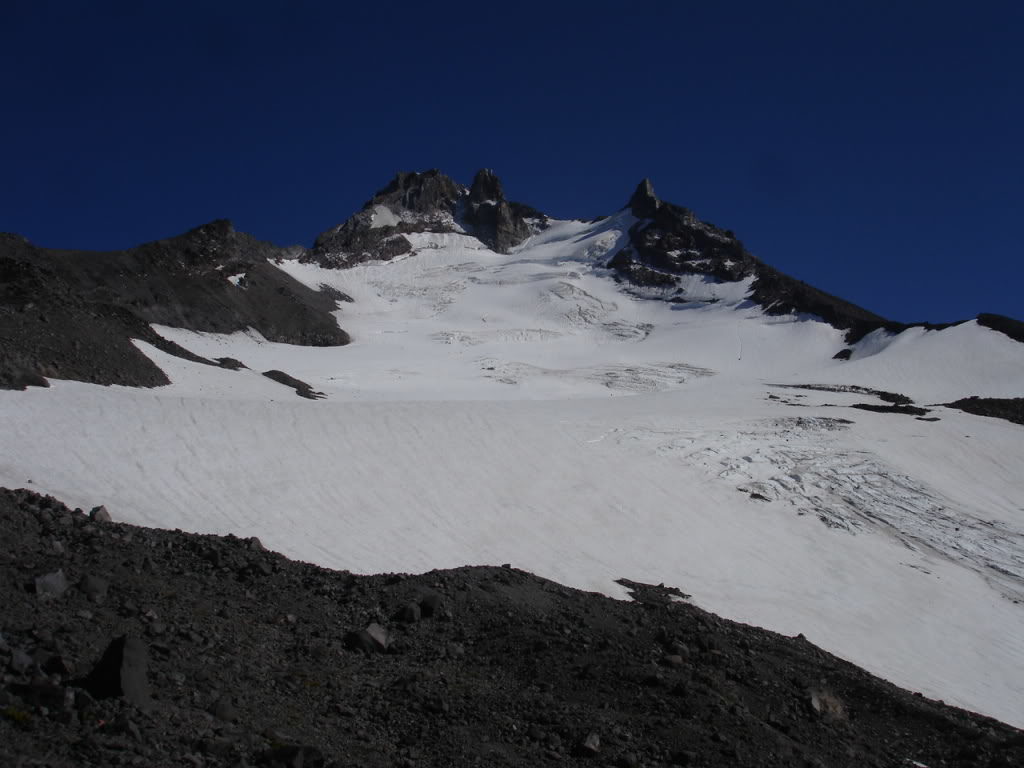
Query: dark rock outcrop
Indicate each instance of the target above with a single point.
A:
(75, 314)
(493, 219)
(1006, 325)
(302, 389)
(670, 241)
(908, 410)
(1008, 408)
(428, 201)
(411, 202)
(237, 656)
(121, 672)
(644, 204)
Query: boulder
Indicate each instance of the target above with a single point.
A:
(100, 515)
(409, 613)
(94, 588)
(121, 672)
(373, 639)
(51, 585)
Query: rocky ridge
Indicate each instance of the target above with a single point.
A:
(426, 202)
(670, 241)
(76, 314)
(129, 646)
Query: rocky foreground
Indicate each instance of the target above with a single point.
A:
(129, 646)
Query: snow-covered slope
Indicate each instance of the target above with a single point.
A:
(527, 408)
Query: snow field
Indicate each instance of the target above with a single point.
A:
(526, 408)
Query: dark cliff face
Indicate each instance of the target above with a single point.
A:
(670, 241)
(411, 202)
(425, 202)
(497, 222)
(424, 193)
(73, 314)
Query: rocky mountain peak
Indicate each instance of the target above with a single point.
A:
(644, 203)
(423, 192)
(486, 187)
(14, 237)
(670, 242)
(427, 201)
(216, 228)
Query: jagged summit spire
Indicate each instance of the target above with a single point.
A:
(486, 187)
(644, 202)
(427, 201)
(422, 192)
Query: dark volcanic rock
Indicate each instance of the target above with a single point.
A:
(411, 202)
(638, 274)
(99, 514)
(426, 193)
(781, 294)
(644, 204)
(1008, 408)
(670, 241)
(431, 604)
(373, 639)
(909, 410)
(1007, 325)
(426, 202)
(409, 613)
(94, 588)
(74, 314)
(122, 671)
(521, 672)
(291, 756)
(51, 584)
(495, 221)
(895, 398)
(302, 389)
(224, 709)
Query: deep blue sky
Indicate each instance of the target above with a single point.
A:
(872, 148)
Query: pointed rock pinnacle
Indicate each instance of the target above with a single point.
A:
(644, 202)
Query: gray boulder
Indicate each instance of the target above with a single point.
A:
(52, 585)
(122, 671)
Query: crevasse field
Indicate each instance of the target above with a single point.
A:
(528, 409)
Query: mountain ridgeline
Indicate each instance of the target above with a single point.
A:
(69, 314)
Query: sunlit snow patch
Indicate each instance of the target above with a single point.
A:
(382, 216)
